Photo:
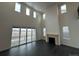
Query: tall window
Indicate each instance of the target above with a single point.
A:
(63, 8)
(27, 11)
(44, 16)
(44, 31)
(34, 14)
(17, 7)
(66, 34)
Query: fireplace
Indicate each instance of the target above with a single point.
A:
(51, 41)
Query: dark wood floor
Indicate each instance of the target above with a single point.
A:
(40, 48)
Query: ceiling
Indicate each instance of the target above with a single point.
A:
(40, 6)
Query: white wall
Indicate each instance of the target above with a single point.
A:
(10, 18)
(52, 21)
(70, 19)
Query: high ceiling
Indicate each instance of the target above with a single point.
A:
(40, 6)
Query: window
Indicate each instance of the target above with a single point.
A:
(66, 34)
(44, 31)
(27, 11)
(44, 16)
(34, 14)
(63, 8)
(18, 7)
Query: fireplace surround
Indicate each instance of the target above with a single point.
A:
(56, 36)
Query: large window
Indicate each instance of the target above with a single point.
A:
(63, 8)
(66, 33)
(27, 11)
(17, 7)
(34, 14)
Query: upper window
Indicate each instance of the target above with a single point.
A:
(66, 33)
(34, 14)
(18, 7)
(63, 8)
(44, 16)
(27, 11)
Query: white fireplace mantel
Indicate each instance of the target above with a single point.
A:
(56, 36)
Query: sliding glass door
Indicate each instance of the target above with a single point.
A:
(33, 34)
(15, 37)
(29, 35)
(23, 36)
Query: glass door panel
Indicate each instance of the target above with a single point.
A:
(23, 36)
(33, 34)
(15, 37)
(28, 35)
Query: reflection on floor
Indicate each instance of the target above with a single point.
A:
(40, 48)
